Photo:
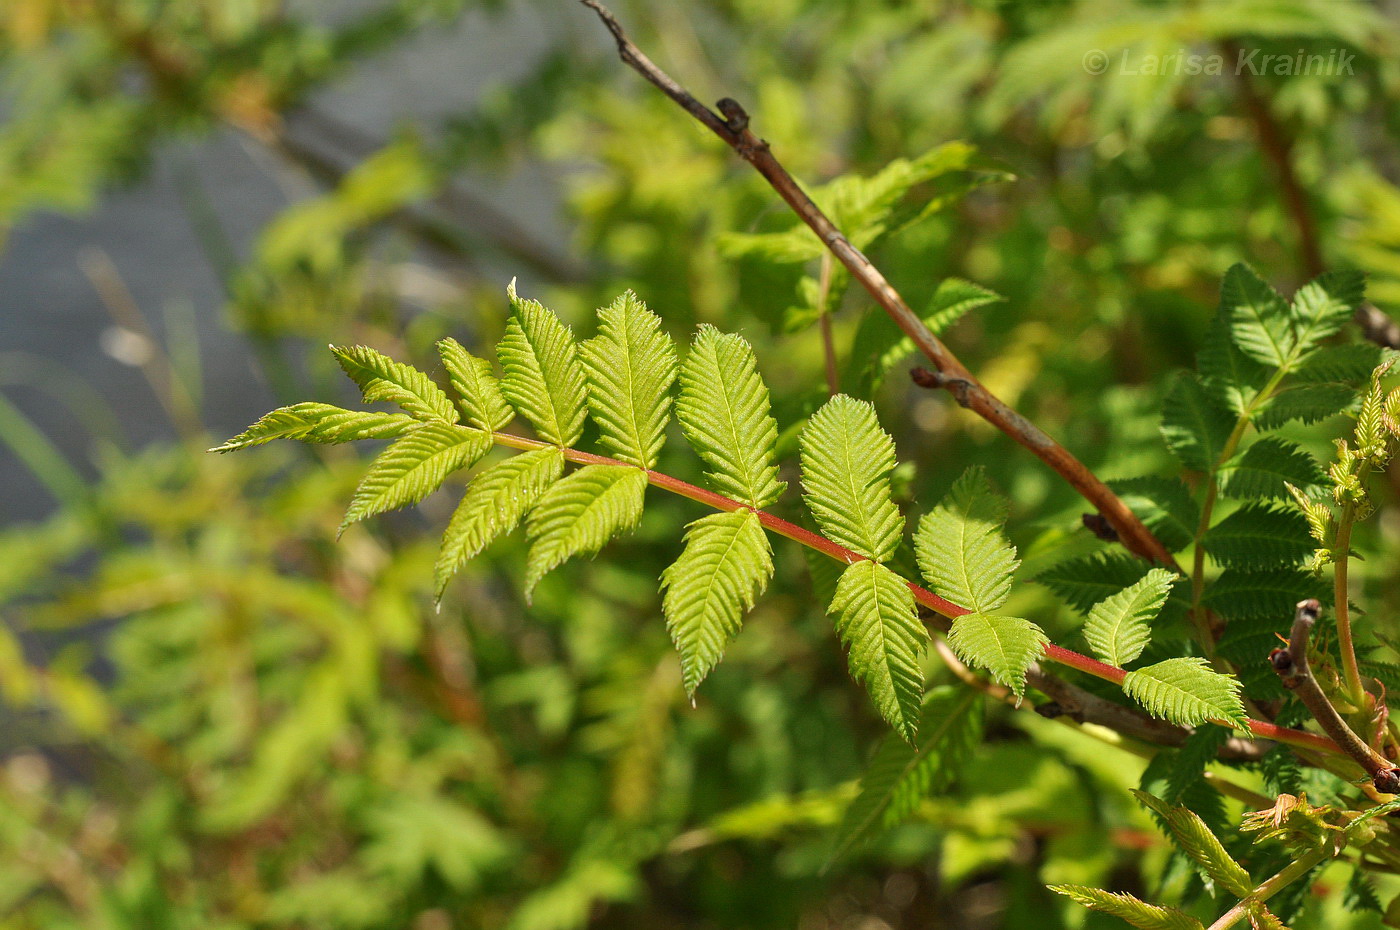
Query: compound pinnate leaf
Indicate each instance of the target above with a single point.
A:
(901, 775)
(1186, 691)
(960, 548)
(323, 423)
(1268, 467)
(494, 502)
(877, 620)
(1004, 646)
(723, 409)
(846, 462)
(1350, 363)
(1259, 535)
(1324, 305)
(1140, 914)
(631, 365)
(382, 379)
(542, 376)
(1119, 627)
(478, 392)
(1227, 374)
(880, 344)
(726, 564)
(1306, 403)
(1260, 320)
(580, 513)
(414, 467)
(1194, 838)
(1164, 505)
(1194, 424)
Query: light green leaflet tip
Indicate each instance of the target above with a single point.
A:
(960, 548)
(479, 393)
(877, 620)
(1004, 646)
(631, 365)
(846, 463)
(493, 505)
(726, 564)
(1138, 913)
(382, 379)
(1186, 691)
(541, 374)
(579, 514)
(321, 423)
(1119, 627)
(413, 467)
(1194, 838)
(723, 408)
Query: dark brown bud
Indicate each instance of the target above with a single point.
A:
(924, 378)
(1309, 609)
(1388, 781)
(735, 116)
(1097, 524)
(1281, 660)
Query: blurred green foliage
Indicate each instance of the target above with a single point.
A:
(218, 716)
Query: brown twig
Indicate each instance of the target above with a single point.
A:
(1376, 325)
(731, 124)
(1291, 665)
(1073, 703)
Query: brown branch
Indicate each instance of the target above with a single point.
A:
(1073, 702)
(1375, 324)
(1291, 665)
(731, 124)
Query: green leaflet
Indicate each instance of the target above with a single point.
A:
(846, 462)
(1228, 375)
(725, 566)
(1185, 775)
(1004, 646)
(631, 365)
(1085, 581)
(723, 409)
(867, 208)
(479, 394)
(1140, 914)
(382, 379)
(1350, 364)
(579, 514)
(1164, 505)
(876, 619)
(960, 549)
(1260, 321)
(1194, 425)
(542, 375)
(1194, 838)
(414, 467)
(1266, 468)
(1119, 627)
(900, 776)
(1269, 593)
(1325, 304)
(494, 502)
(1259, 536)
(880, 344)
(312, 422)
(1306, 403)
(1261, 917)
(1185, 691)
